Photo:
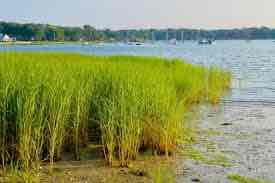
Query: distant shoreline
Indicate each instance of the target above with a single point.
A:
(46, 32)
(44, 42)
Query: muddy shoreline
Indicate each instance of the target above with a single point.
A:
(243, 133)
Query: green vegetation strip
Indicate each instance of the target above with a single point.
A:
(241, 179)
(52, 103)
(216, 158)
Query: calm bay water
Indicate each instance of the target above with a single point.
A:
(252, 64)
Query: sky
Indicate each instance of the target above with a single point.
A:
(127, 14)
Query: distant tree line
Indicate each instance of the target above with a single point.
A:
(45, 32)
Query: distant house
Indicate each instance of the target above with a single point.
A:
(5, 38)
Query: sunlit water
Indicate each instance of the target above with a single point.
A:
(252, 64)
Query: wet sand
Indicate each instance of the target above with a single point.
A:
(244, 133)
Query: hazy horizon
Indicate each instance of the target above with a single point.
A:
(142, 14)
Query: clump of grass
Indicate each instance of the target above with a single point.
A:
(53, 102)
(162, 174)
(15, 174)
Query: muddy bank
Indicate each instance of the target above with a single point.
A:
(242, 133)
(146, 169)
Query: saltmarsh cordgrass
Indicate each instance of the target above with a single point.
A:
(53, 102)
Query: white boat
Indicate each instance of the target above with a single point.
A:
(173, 41)
(135, 43)
(205, 41)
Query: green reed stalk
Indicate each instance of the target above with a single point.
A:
(53, 102)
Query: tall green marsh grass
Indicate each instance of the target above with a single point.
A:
(52, 102)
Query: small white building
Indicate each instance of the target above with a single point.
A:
(6, 38)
